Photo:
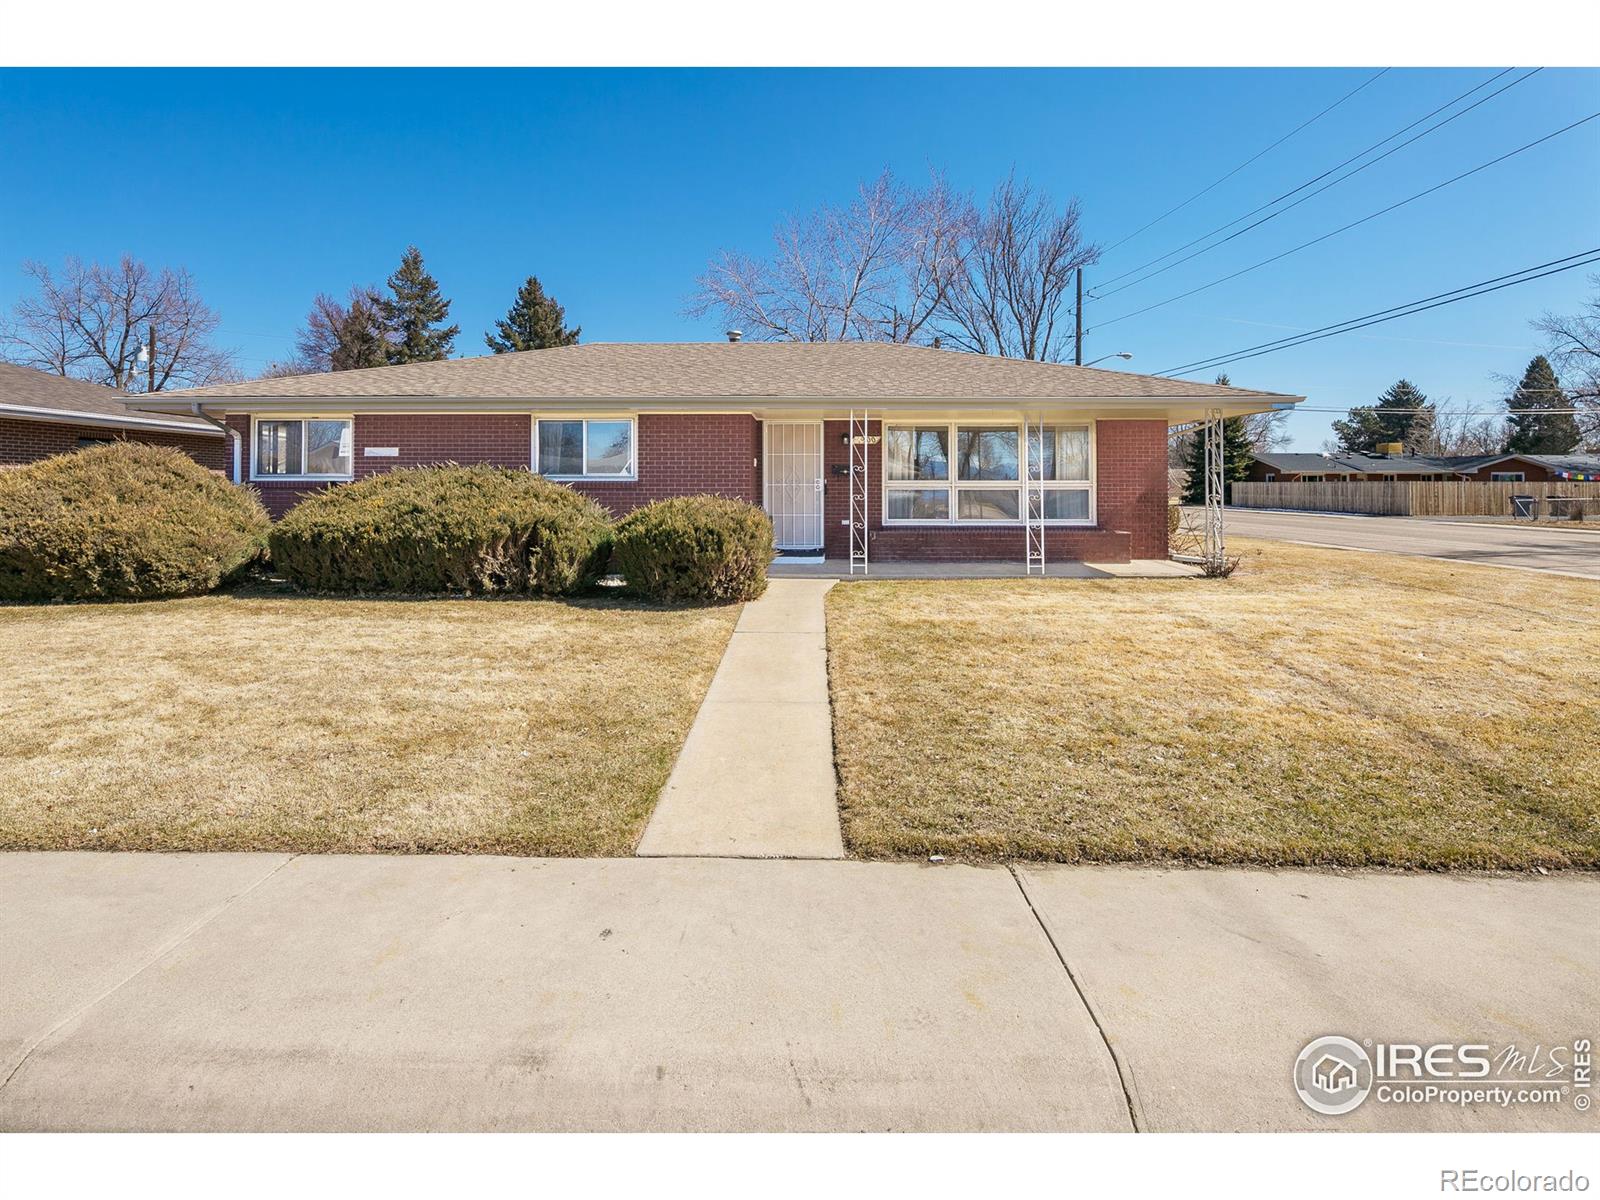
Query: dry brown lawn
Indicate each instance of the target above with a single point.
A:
(275, 722)
(1319, 707)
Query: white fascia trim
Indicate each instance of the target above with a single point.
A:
(62, 416)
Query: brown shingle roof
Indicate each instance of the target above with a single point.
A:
(754, 370)
(26, 388)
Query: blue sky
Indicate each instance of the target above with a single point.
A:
(615, 187)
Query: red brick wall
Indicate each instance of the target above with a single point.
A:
(29, 441)
(498, 439)
(677, 454)
(689, 454)
(1131, 481)
(1532, 472)
(1131, 507)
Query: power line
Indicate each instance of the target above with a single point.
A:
(1098, 295)
(1397, 309)
(1344, 228)
(1248, 161)
(1482, 288)
(1449, 412)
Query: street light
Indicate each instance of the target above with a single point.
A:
(1103, 357)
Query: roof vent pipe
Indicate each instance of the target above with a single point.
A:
(735, 334)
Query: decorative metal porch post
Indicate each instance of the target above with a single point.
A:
(1215, 546)
(860, 472)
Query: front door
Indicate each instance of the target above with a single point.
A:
(792, 478)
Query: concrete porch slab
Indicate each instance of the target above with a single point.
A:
(1140, 568)
(466, 993)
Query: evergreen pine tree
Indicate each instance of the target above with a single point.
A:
(1237, 451)
(414, 312)
(1368, 426)
(535, 322)
(1534, 432)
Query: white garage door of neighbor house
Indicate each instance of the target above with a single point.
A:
(792, 482)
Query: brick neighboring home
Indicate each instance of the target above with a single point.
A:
(768, 423)
(43, 414)
(1416, 468)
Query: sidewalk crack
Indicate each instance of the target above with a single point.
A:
(161, 952)
(1123, 1072)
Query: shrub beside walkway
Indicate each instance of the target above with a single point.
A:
(755, 777)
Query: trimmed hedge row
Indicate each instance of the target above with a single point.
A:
(695, 548)
(124, 521)
(479, 530)
(139, 522)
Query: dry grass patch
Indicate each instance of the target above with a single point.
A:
(1319, 707)
(273, 722)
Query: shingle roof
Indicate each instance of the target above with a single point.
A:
(755, 370)
(1586, 464)
(23, 388)
(1342, 463)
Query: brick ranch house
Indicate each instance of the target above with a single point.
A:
(768, 423)
(43, 415)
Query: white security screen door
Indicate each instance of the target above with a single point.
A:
(792, 481)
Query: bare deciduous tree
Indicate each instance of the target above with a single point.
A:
(1575, 354)
(91, 322)
(337, 337)
(1457, 431)
(899, 264)
(876, 269)
(1011, 295)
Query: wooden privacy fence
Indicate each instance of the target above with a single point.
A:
(1462, 498)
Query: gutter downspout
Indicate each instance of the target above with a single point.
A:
(233, 436)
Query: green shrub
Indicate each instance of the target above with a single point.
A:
(123, 521)
(695, 548)
(479, 530)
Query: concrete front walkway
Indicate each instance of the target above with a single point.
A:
(252, 992)
(755, 776)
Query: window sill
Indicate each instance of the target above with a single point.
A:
(591, 478)
(302, 479)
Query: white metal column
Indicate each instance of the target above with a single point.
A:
(860, 490)
(1215, 547)
(1033, 515)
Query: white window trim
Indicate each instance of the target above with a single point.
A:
(1508, 477)
(257, 477)
(955, 486)
(630, 476)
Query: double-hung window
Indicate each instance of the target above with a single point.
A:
(1059, 459)
(313, 448)
(973, 473)
(588, 448)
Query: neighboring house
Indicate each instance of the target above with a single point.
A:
(1414, 468)
(768, 423)
(43, 414)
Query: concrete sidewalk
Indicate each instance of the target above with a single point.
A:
(145, 991)
(755, 776)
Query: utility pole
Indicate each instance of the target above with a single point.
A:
(1077, 341)
(151, 386)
